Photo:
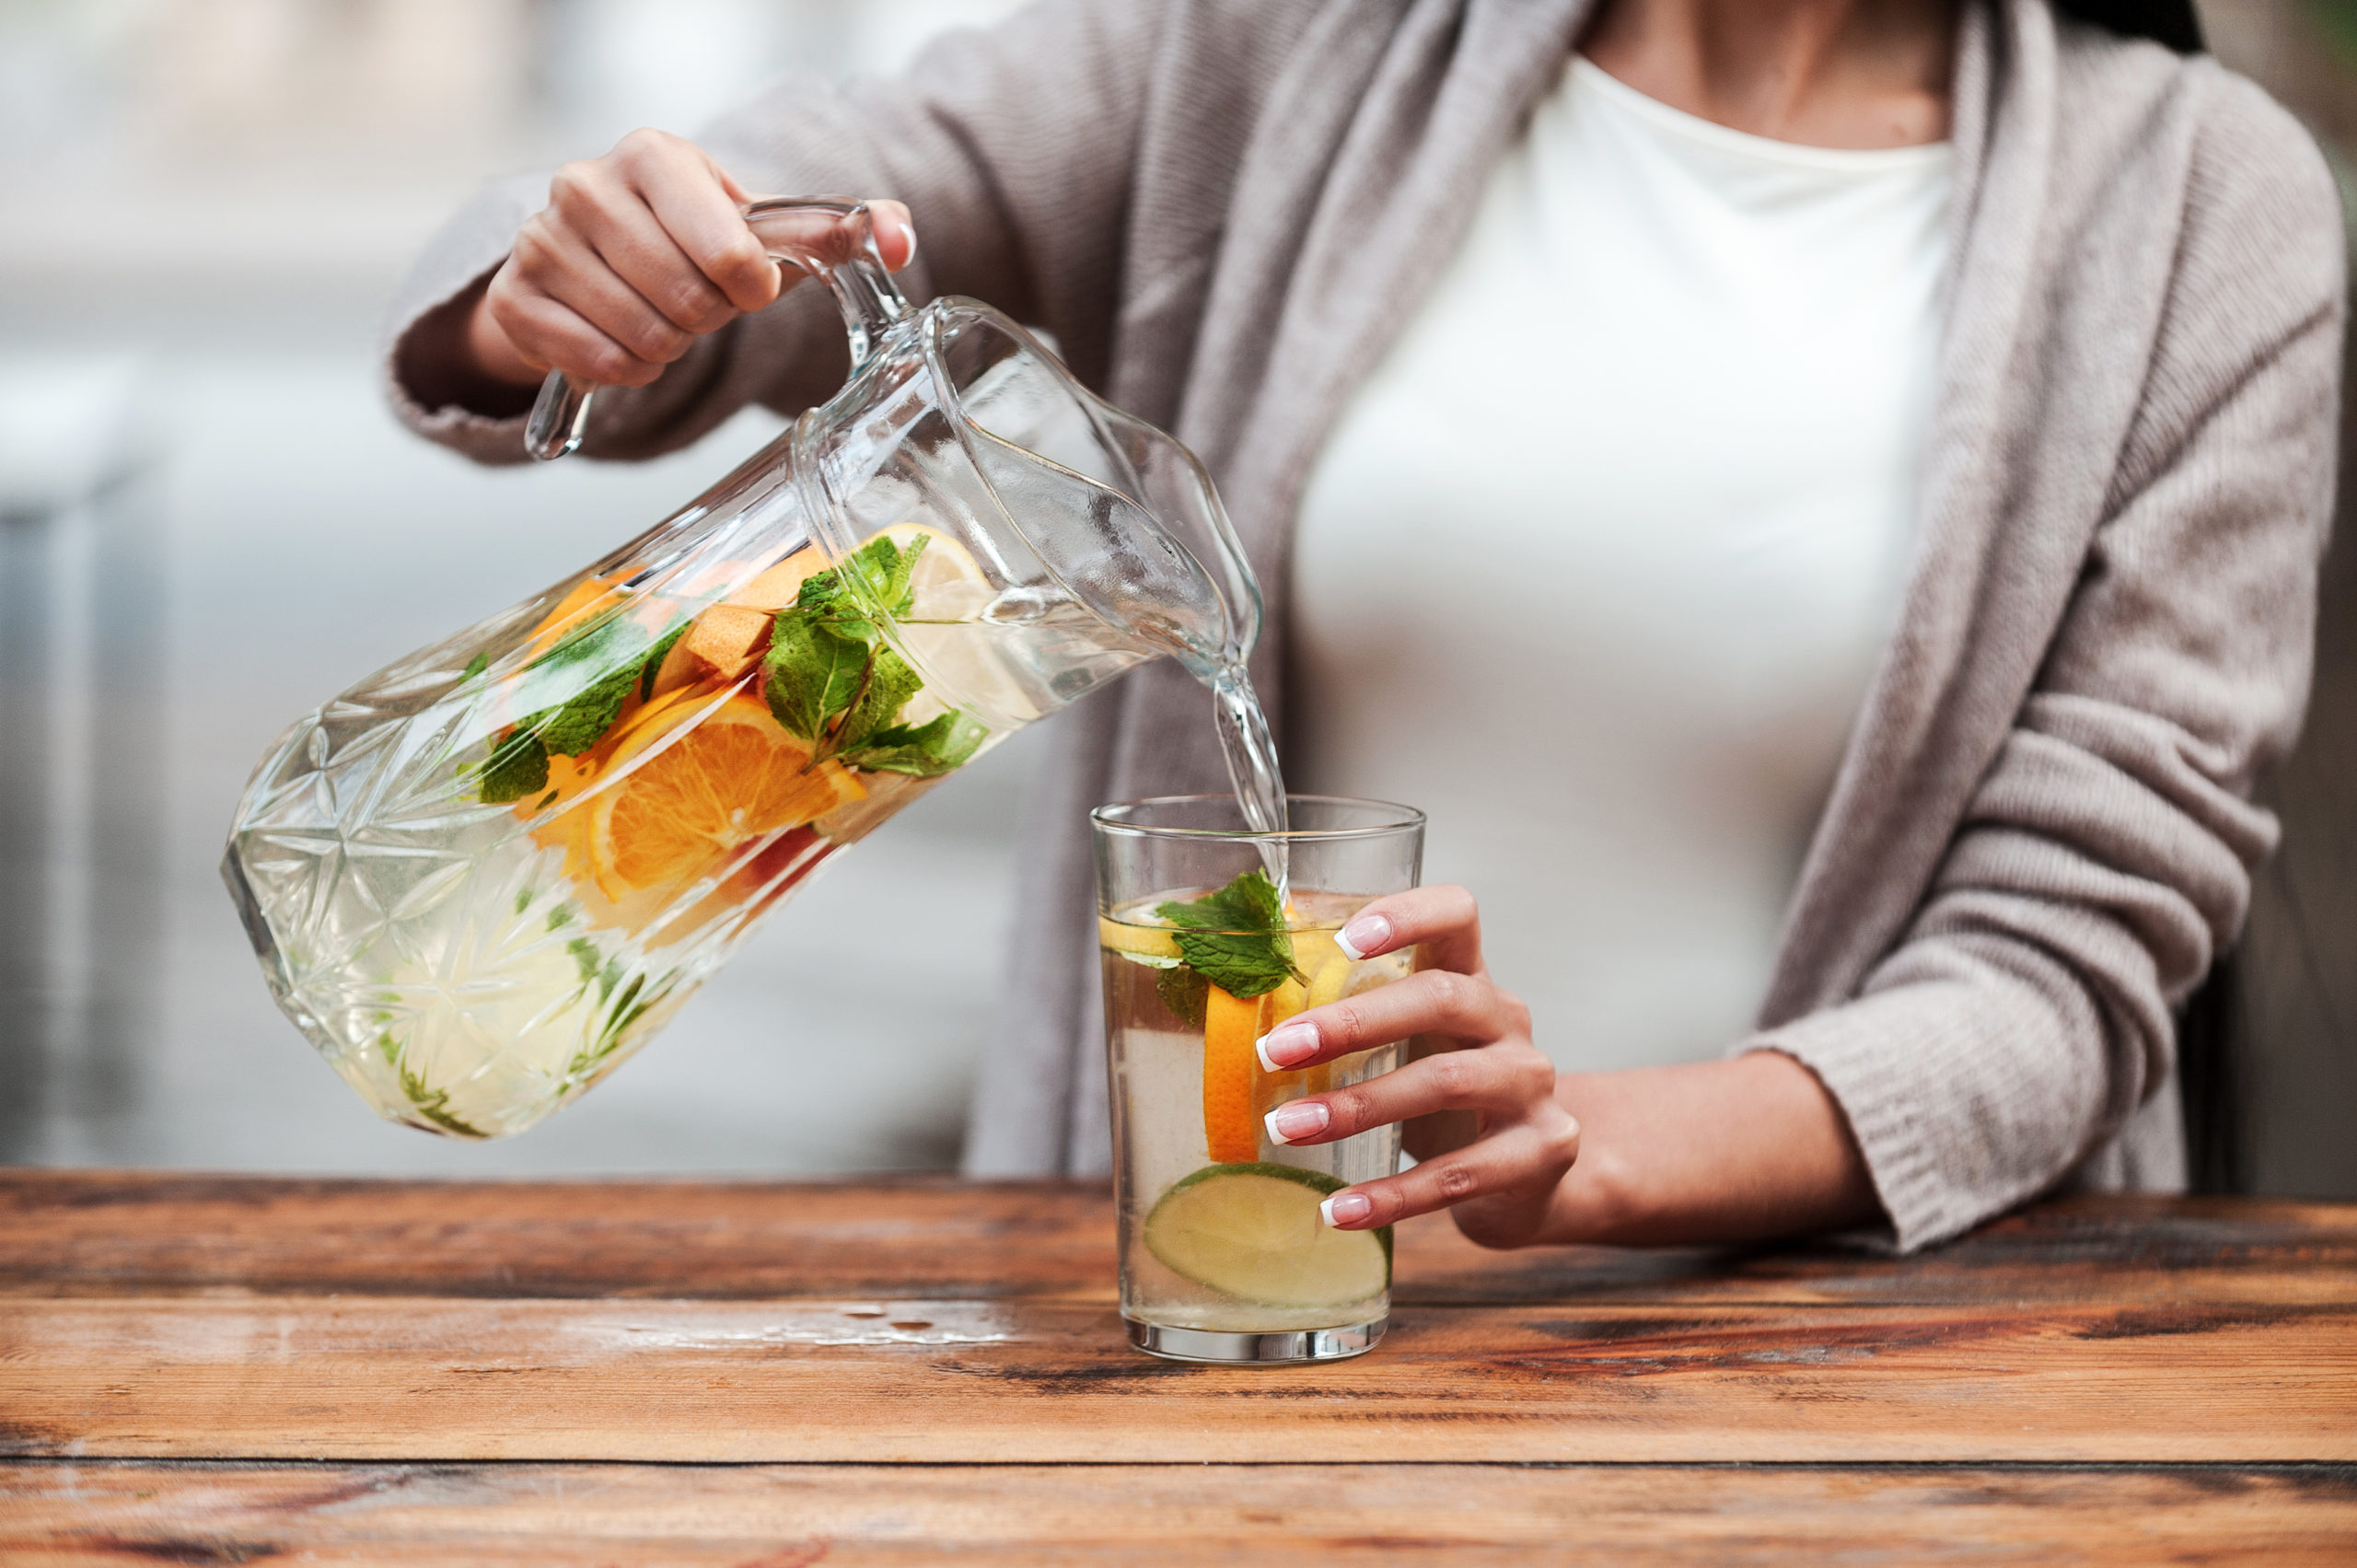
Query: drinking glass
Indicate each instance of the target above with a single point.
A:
(1224, 1253)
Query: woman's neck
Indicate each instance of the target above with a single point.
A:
(1823, 73)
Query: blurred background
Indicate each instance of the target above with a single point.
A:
(209, 522)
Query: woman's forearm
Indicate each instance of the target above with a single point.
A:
(1747, 1149)
(455, 355)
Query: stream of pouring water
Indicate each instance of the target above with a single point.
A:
(1251, 754)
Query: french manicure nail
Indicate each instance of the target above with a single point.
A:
(1286, 1046)
(1301, 1119)
(1346, 1208)
(1363, 936)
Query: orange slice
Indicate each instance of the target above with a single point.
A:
(1230, 1025)
(1237, 1091)
(570, 778)
(686, 807)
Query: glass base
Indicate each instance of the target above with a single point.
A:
(1290, 1344)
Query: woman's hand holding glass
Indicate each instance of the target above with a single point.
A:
(1492, 1140)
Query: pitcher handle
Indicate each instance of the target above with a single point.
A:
(853, 273)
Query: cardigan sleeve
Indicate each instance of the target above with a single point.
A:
(2106, 855)
(1012, 147)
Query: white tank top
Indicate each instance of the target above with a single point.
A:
(1597, 564)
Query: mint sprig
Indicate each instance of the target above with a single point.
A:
(1235, 938)
(830, 678)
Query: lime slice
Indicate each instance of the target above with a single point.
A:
(1253, 1232)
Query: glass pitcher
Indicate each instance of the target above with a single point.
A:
(484, 875)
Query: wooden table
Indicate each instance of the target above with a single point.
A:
(221, 1370)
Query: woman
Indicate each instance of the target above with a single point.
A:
(2035, 331)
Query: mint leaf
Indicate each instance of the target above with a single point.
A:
(829, 677)
(1248, 904)
(586, 959)
(610, 640)
(886, 575)
(885, 689)
(614, 643)
(821, 594)
(810, 674)
(1235, 938)
(941, 745)
(874, 577)
(655, 656)
(518, 766)
(1184, 992)
(432, 1104)
(582, 723)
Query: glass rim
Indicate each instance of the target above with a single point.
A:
(1403, 819)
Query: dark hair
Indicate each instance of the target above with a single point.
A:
(2171, 22)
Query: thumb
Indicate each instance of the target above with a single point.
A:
(896, 233)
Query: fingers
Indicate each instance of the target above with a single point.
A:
(1501, 1187)
(693, 206)
(1501, 1081)
(1444, 918)
(638, 254)
(526, 306)
(1440, 1003)
(551, 262)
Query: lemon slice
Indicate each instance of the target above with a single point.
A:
(1155, 942)
(944, 636)
(947, 574)
(1253, 1232)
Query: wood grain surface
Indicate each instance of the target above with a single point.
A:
(225, 1370)
(900, 1381)
(79, 1232)
(81, 1514)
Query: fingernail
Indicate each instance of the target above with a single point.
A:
(1346, 1208)
(1301, 1119)
(1363, 936)
(1288, 1045)
(908, 232)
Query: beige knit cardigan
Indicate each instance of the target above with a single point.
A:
(2041, 831)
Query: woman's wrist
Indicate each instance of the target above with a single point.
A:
(1749, 1149)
